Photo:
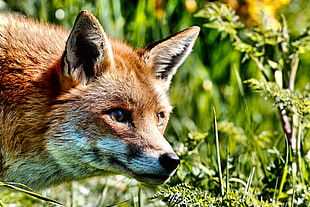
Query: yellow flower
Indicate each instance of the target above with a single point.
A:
(250, 10)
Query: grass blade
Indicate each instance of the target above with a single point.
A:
(248, 184)
(15, 186)
(218, 153)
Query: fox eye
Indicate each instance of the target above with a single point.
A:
(160, 119)
(120, 115)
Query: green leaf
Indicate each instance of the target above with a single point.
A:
(243, 47)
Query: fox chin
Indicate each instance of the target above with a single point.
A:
(80, 104)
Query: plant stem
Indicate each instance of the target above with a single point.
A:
(285, 170)
(298, 150)
(286, 125)
(218, 153)
(294, 67)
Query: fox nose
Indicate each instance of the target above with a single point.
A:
(169, 161)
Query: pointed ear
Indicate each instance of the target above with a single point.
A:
(166, 55)
(88, 50)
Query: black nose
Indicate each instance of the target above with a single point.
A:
(169, 161)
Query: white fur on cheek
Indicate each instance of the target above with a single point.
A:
(71, 149)
(112, 146)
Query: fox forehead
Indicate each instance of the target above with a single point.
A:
(130, 85)
(130, 88)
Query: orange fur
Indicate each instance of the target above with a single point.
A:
(60, 91)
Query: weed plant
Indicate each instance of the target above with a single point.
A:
(240, 122)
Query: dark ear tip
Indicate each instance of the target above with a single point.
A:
(84, 13)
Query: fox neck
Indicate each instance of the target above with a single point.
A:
(43, 174)
(38, 174)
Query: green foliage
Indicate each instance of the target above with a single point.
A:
(185, 195)
(295, 102)
(277, 58)
(222, 18)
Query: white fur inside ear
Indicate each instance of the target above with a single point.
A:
(170, 57)
(165, 56)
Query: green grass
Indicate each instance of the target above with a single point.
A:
(251, 163)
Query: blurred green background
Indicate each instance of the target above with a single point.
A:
(212, 77)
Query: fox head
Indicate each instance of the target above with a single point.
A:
(113, 109)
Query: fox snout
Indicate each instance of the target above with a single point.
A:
(152, 170)
(168, 165)
(153, 165)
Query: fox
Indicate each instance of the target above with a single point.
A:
(77, 104)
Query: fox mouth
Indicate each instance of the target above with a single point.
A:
(152, 179)
(148, 178)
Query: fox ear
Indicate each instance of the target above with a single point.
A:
(166, 55)
(88, 50)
